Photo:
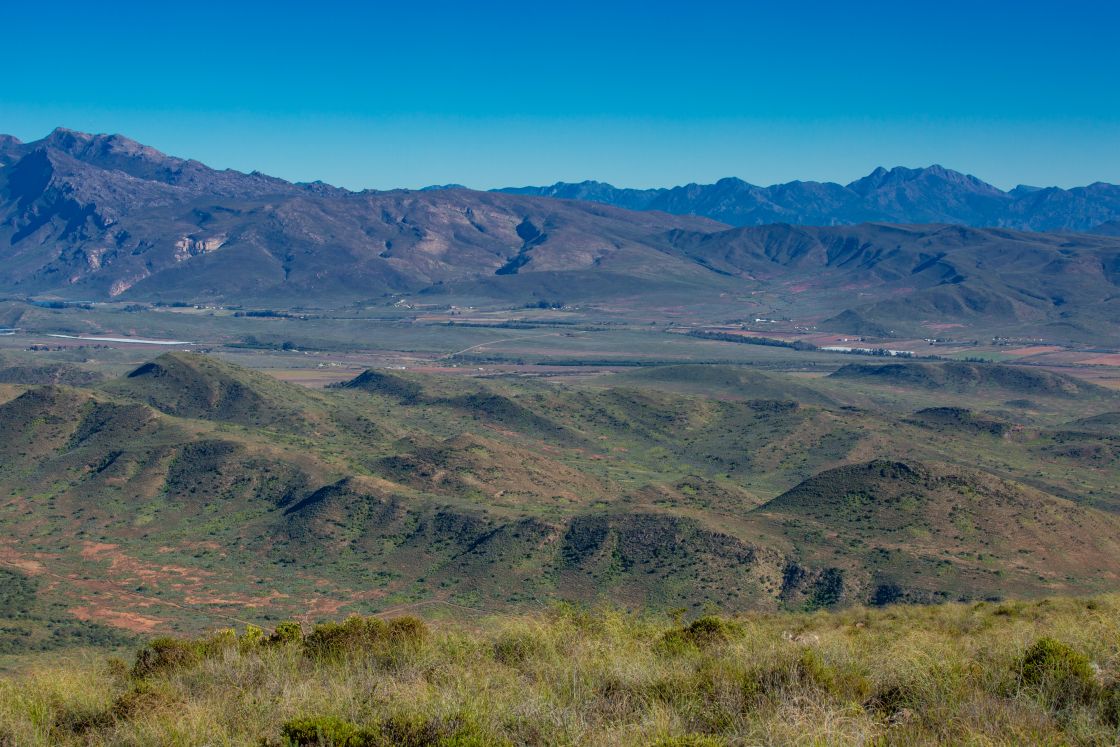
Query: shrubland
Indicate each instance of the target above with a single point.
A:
(1038, 672)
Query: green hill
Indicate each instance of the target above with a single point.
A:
(194, 489)
(739, 382)
(912, 522)
(971, 377)
(194, 386)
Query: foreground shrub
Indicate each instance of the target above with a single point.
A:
(327, 731)
(396, 731)
(1058, 673)
(515, 647)
(287, 632)
(690, 740)
(952, 674)
(807, 673)
(252, 638)
(169, 654)
(356, 636)
(142, 698)
(700, 633)
(166, 654)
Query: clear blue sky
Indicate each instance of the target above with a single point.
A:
(636, 93)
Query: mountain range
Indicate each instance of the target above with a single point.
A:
(899, 195)
(99, 217)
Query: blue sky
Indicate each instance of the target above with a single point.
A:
(636, 93)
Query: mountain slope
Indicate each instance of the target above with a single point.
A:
(901, 276)
(103, 216)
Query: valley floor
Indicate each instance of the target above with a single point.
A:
(1040, 672)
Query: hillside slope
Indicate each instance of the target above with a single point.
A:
(914, 521)
(888, 277)
(970, 377)
(103, 216)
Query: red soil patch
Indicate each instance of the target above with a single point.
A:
(93, 549)
(322, 607)
(32, 563)
(122, 563)
(249, 602)
(1034, 350)
(1112, 359)
(116, 618)
(10, 557)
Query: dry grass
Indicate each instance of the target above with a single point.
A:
(952, 674)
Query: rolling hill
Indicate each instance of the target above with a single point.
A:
(965, 377)
(192, 489)
(914, 521)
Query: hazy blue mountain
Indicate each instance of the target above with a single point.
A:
(1111, 228)
(899, 195)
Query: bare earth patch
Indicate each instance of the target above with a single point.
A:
(116, 618)
(1111, 359)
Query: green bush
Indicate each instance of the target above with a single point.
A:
(287, 632)
(218, 642)
(327, 731)
(517, 646)
(1059, 674)
(250, 639)
(364, 635)
(78, 720)
(168, 654)
(408, 630)
(1109, 703)
(413, 730)
(139, 700)
(164, 655)
(808, 672)
(700, 633)
(690, 740)
(333, 640)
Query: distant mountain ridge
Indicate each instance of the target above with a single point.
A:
(900, 195)
(97, 217)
